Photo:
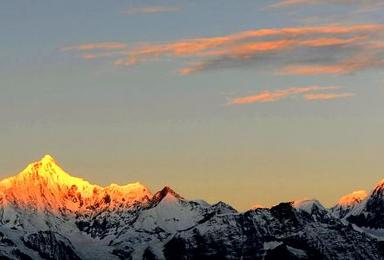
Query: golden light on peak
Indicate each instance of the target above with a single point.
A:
(44, 185)
(353, 198)
(257, 206)
(47, 158)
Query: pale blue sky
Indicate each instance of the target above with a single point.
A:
(149, 123)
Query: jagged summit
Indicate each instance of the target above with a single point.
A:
(44, 185)
(348, 203)
(380, 183)
(47, 213)
(307, 205)
(47, 172)
(352, 198)
(168, 194)
(47, 163)
(370, 211)
(378, 190)
(47, 158)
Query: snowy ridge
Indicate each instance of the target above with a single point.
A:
(45, 213)
(307, 205)
(45, 186)
(349, 203)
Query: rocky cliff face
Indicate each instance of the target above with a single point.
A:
(51, 245)
(267, 233)
(47, 214)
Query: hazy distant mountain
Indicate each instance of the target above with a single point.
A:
(47, 214)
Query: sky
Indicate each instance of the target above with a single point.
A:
(247, 102)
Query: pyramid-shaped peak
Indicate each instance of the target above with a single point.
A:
(48, 159)
(46, 186)
(169, 191)
(166, 193)
(45, 167)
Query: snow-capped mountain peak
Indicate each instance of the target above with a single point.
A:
(45, 213)
(49, 172)
(48, 159)
(370, 211)
(44, 185)
(352, 199)
(46, 166)
(167, 194)
(307, 205)
(348, 203)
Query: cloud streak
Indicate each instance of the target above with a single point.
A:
(308, 92)
(350, 65)
(281, 45)
(96, 46)
(325, 49)
(327, 96)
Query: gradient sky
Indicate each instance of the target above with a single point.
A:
(197, 95)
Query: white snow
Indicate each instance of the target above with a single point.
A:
(297, 252)
(307, 205)
(272, 244)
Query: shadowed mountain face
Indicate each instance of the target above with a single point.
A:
(45, 213)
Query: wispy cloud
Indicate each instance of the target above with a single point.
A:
(316, 46)
(349, 65)
(151, 10)
(325, 49)
(270, 96)
(96, 46)
(327, 96)
(89, 56)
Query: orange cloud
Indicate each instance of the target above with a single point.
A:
(96, 46)
(321, 42)
(249, 42)
(152, 10)
(248, 45)
(327, 96)
(350, 65)
(269, 96)
(192, 69)
(316, 69)
(89, 56)
(333, 45)
(108, 54)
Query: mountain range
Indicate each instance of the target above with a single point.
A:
(45, 213)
